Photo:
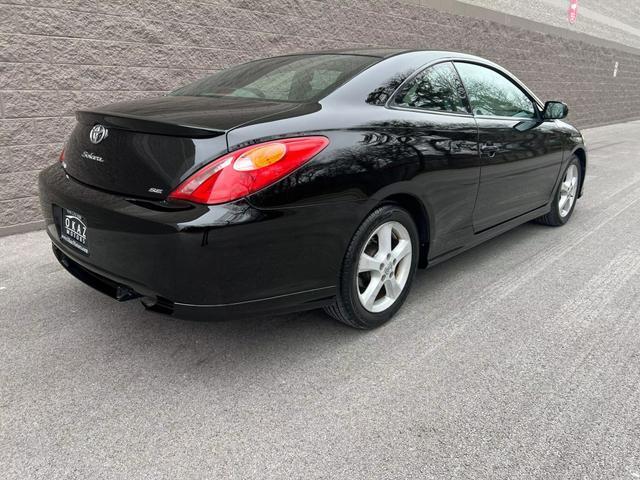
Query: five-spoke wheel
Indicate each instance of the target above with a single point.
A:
(568, 190)
(377, 269)
(384, 266)
(565, 195)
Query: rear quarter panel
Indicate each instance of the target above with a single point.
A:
(376, 152)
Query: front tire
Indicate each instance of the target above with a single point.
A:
(378, 269)
(565, 196)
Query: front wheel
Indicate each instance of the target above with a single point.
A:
(565, 195)
(377, 269)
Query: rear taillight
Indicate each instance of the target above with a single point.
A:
(64, 165)
(248, 170)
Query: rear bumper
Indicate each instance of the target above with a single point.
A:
(114, 287)
(200, 261)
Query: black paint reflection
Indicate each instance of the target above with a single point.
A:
(437, 88)
(380, 95)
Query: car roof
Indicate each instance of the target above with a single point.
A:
(371, 52)
(386, 52)
(427, 56)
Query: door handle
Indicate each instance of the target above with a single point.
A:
(489, 149)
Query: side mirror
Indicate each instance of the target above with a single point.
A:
(555, 110)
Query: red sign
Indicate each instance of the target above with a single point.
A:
(573, 11)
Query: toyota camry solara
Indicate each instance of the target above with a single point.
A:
(306, 181)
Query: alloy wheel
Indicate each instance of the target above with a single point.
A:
(384, 266)
(568, 190)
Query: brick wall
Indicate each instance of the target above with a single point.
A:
(60, 55)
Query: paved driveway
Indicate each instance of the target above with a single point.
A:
(518, 359)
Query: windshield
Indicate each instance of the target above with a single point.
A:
(295, 78)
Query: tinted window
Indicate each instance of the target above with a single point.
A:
(296, 78)
(490, 93)
(436, 88)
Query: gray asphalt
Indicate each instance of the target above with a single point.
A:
(517, 359)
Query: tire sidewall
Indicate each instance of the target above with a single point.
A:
(349, 285)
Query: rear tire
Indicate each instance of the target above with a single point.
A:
(565, 196)
(377, 270)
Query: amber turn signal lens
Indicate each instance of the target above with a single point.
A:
(260, 157)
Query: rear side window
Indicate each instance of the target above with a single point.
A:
(437, 88)
(491, 93)
(295, 78)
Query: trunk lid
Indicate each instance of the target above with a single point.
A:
(146, 148)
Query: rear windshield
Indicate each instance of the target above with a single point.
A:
(295, 78)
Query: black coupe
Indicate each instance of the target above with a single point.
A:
(303, 181)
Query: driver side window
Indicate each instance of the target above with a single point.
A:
(490, 93)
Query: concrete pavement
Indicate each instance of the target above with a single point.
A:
(517, 359)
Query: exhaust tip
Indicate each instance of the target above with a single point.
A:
(158, 304)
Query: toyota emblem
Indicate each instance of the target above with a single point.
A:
(98, 133)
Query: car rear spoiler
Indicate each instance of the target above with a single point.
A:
(144, 124)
